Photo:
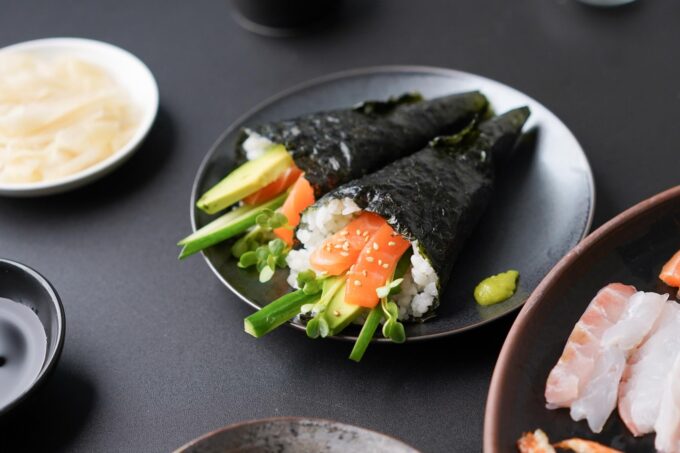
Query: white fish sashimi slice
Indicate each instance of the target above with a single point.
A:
(598, 398)
(646, 372)
(574, 368)
(642, 311)
(667, 425)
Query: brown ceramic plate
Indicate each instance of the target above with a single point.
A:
(294, 435)
(631, 249)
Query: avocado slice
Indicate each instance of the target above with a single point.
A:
(227, 226)
(246, 179)
(339, 314)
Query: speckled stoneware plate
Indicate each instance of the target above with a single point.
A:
(294, 435)
(542, 207)
(630, 249)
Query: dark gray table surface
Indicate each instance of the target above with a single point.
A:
(155, 354)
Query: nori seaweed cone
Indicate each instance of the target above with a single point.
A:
(437, 195)
(338, 146)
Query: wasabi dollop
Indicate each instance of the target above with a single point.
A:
(496, 288)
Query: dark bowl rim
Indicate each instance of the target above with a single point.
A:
(53, 357)
(492, 416)
(354, 73)
(289, 418)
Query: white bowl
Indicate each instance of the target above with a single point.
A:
(128, 71)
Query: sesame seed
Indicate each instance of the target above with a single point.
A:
(370, 259)
(365, 233)
(393, 234)
(336, 312)
(357, 282)
(344, 233)
(345, 246)
(386, 266)
(343, 253)
(375, 246)
(358, 231)
(391, 243)
(337, 246)
(365, 273)
(379, 262)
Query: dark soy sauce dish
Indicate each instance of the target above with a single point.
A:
(542, 204)
(21, 284)
(630, 249)
(293, 434)
(278, 19)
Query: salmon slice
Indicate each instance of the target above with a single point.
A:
(301, 196)
(646, 372)
(569, 376)
(670, 274)
(340, 251)
(597, 399)
(276, 187)
(374, 267)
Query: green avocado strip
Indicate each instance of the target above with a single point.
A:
(246, 180)
(276, 313)
(366, 334)
(227, 226)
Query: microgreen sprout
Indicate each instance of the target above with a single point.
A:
(308, 282)
(261, 234)
(269, 220)
(392, 328)
(261, 248)
(266, 258)
(389, 288)
(318, 326)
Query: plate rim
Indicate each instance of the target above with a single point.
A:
(359, 72)
(491, 413)
(285, 418)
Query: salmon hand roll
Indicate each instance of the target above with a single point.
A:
(382, 248)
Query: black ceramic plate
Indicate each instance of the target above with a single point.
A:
(294, 435)
(542, 208)
(630, 249)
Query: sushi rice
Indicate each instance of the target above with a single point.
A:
(255, 145)
(420, 287)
